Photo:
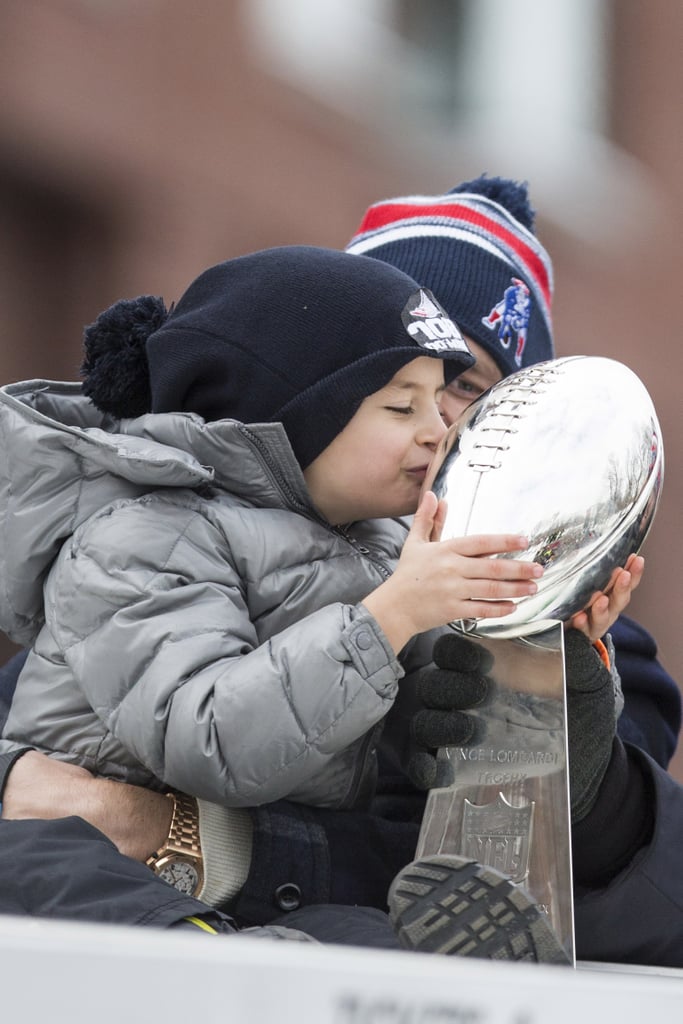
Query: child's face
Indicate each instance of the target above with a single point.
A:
(462, 391)
(376, 465)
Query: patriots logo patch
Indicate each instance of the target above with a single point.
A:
(510, 317)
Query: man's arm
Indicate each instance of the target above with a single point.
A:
(67, 870)
(298, 856)
(651, 718)
(35, 786)
(637, 916)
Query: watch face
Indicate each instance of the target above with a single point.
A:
(182, 875)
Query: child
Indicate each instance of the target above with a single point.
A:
(209, 531)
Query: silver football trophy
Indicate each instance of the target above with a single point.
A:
(569, 454)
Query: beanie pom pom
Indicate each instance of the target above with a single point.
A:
(115, 369)
(510, 194)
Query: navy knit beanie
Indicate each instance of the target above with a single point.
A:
(474, 247)
(295, 334)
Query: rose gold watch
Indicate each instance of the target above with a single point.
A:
(179, 861)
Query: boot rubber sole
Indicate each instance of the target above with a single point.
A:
(448, 904)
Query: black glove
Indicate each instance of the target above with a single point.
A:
(458, 683)
(593, 705)
(461, 683)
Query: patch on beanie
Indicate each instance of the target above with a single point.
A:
(509, 318)
(430, 326)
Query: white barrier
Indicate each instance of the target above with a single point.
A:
(73, 973)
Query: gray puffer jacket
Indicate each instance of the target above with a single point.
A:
(194, 621)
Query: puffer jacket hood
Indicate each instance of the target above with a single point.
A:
(61, 459)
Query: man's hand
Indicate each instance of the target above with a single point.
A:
(462, 683)
(136, 820)
(432, 708)
(606, 606)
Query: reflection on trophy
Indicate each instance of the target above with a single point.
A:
(569, 454)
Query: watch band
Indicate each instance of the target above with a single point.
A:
(183, 835)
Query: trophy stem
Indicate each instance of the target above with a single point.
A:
(505, 803)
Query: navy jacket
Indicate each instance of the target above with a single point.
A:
(652, 714)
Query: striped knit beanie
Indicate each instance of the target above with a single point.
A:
(475, 249)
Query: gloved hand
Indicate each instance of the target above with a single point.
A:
(594, 703)
(458, 683)
(461, 683)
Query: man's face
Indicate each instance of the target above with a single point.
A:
(375, 467)
(470, 384)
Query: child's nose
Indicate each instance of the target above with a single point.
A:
(432, 430)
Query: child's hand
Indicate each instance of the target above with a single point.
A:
(605, 606)
(437, 581)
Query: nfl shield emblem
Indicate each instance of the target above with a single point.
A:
(499, 835)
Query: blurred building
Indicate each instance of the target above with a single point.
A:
(140, 142)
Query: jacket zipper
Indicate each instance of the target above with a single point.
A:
(343, 532)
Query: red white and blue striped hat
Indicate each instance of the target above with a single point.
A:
(476, 250)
